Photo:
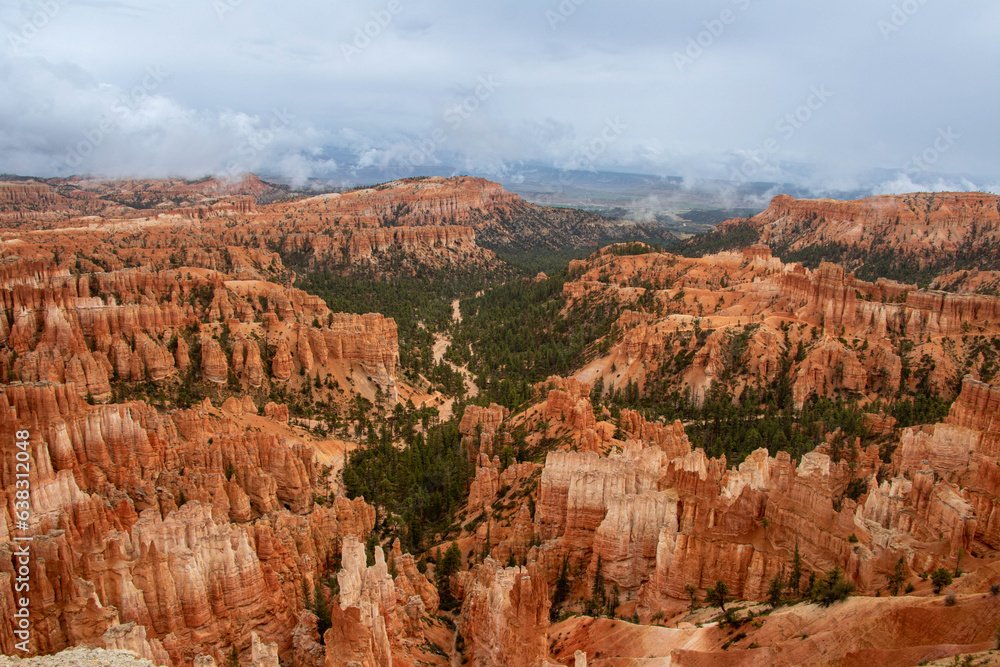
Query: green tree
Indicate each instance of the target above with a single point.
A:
(561, 592)
(795, 576)
(940, 578)
(447, 566)
(718, 596)
(613, 601)
(693, 594)
(831, 588)
(598, 596)
(322, 611)
(774, 591)
(898, 577)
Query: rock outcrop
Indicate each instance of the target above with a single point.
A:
(505, 616)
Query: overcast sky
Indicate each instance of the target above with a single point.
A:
(831, 94)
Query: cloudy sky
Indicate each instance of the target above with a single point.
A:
(890, 94)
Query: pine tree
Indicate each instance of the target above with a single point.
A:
(774, 591)
(795, 577)
(898, 577)
(561, 592)
(613, 601)
(597, 592)
(322, 611)
(693, 594)
(718, 596)
(447, 566)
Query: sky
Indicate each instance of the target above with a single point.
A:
(891, 95)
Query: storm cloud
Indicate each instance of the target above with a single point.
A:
(890, 95)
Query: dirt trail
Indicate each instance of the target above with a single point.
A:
(441, 345)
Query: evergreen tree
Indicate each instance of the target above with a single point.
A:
(693, 594)
(561, 592)
(898, 577)
(718, 596)
(774, 591)
(795, 576)
(613, 601)
(322, 611)
(447, 566)
(598, 596)
(940, 578)
(831, 588)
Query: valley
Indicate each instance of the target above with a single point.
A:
(429, 423)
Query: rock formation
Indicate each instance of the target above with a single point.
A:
(505, 616)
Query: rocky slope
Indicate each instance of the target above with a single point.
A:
(174, 509)
(661, 521)
(501, 219)
(746, 318)
(179, 395)
(917, 235)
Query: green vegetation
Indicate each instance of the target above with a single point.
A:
(562, 589)
(736, 236)
(519, 335)
(415, 489)
(319, 606)
(774, 591)
(446, 567)
(831, 588)
(940, 578)
(718, 596)
(419, 303)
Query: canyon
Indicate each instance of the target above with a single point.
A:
(187, 503)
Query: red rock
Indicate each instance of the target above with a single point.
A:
(505, 616)
(281, 366)
(276, 412)
(213, 361)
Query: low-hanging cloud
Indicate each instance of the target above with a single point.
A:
(170, 87)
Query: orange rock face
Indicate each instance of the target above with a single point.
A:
(167, 530)
(741, 319)
(377, 618)
(938, 223)
(505, 616)
(661, 518)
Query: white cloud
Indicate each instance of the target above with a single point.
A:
(559, 88)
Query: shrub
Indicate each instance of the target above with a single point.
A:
(951, 599)
(940, 578)
(831, 588)
(718, 596)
